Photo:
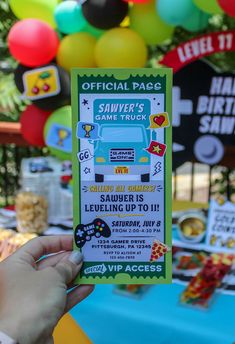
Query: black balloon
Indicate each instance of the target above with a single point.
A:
(105, 14)
(50, 103)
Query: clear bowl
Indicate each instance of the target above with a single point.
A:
(188, 226)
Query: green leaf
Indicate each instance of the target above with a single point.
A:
(44, 75)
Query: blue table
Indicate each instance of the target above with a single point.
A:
(157, 318)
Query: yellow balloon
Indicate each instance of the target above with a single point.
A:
(38, 9)
(209, 6)
(145, 20)
(77, 50)
(120, 48)
(125, 22)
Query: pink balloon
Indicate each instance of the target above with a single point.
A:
(33, 42)
(228, 6)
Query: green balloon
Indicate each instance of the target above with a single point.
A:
(92, 30)
(208, 6)
(38, 9)
(147, 23)
(62, 116)
(196, 22)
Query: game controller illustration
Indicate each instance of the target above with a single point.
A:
(84, 233)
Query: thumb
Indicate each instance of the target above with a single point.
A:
(69, 268)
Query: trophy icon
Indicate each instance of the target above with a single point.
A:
(63, 134)
(88, 128)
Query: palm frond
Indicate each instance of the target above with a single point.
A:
(7, 19)
(11, 105)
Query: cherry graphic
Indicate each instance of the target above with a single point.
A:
(46, 87)
(35, 90)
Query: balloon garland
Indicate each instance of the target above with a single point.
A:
(50, 103)
(120, 41)
(43, 10)
(197, 21)
(53, 36)
(32, 122)
(77, 50)
(105, 14)
(33, 42)
(175, 12)
(69, 18)
(228, 7)
(210, 6)
(145, 20)
(57, 133)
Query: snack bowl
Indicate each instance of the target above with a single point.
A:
(192, 228)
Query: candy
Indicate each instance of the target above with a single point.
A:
(189, 262)
(132, 290)
(203, 285)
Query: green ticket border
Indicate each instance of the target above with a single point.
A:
(122, 74)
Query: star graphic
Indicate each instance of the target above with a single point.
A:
(85, 102)
(87, 170)
(157, 149)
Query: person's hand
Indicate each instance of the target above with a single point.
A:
(33, 294)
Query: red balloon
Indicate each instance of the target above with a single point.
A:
(228, 6)
(33, 42)
(32, 122)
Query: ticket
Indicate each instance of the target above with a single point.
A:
(122, 174)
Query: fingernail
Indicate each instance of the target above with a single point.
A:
(76, 257)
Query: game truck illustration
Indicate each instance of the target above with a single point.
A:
(121, 150)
